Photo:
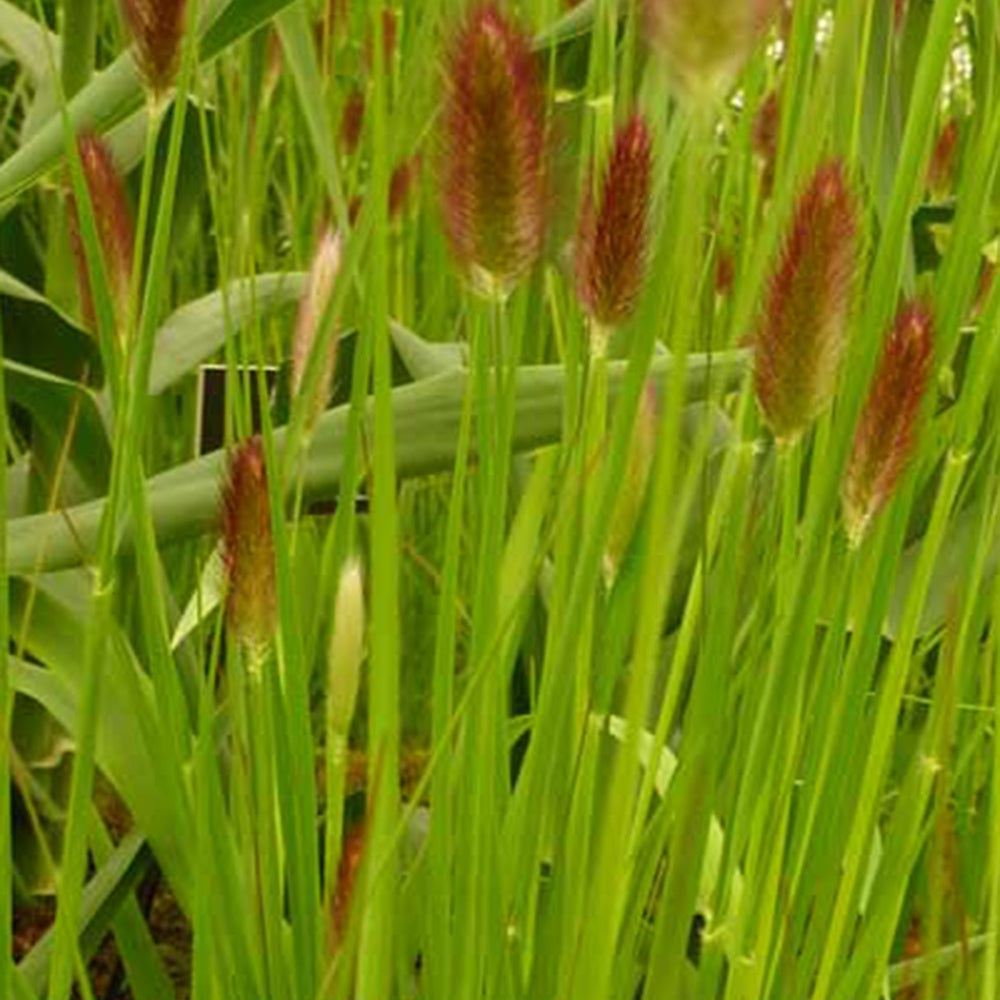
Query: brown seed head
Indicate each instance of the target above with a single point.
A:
(802, 329)
(248, 547)
(705, 44)
(115, 231)
(611, 242)
(157, 26)
(766, 128)
(886, 433)
(492, 173)
(401, 184)
(941, 169)
(352, 120)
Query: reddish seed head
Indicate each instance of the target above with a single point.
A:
(319, 288)
(886, 433)
(611, 242)
(492, 175)
(158, 28)
(401, 183)
(725, 271)
(899, 14)
(766, 127)
(248, 548)
(941, 169)
(351, 121)
(705, 44)
(115, 231)
(802, 329)
(351, 859)
(390, 35)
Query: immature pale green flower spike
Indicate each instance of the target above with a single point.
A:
(611, 242)
(319, 288)
(704, 43)
(885, 437)
(803, 324)
(115, 232)
(632, 495)
(346, 650)
(492, 151)
(157, 26)
(248, 548)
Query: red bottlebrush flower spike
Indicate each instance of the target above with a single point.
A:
(886, 433)
(492, 172)
(401, 183)
(802, 330)
(352, 120)
(611, 242)
(319, 288)
(941, 169)
(158, 29)
(705, 44)
(248, 548)
(115, 231)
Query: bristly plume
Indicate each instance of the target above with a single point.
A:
(312, 306)
(766, 129)
(611, 242)
(115, 232)
(248, 548)
(352, 121)
(803, 325)
(885, 437)
(157, 26)
(492, 162)
(404, 177)
(941, 169)
(704, 45)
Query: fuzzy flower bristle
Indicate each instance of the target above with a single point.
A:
(157, 26)
(248, 548)
(115, 231)
(705, 44)
(492, 163)
(611, 243)
(885, 436)
(319, 288)
(802, 329)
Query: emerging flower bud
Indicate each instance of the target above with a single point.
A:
(319, 288)
(802, 329)
(115, 232)
(611, 242)
(632, 496)
(886, 433)
(346, 650)
(941, 169)
(492, 174)
(705, 44)
(352, 120)
(248, 548)
(158, 29)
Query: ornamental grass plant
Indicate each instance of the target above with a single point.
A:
(502, 500)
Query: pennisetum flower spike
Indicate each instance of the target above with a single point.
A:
(157, 26)
(115, 232)
(803, 324)
(704, 43)
(248, 549)
(312, 306)
(885, 436)
(492, 160)
(611, 241)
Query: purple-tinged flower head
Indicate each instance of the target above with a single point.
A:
(248, 548)
(492, 163)
(319, 287)
(941, 169)
(115, 231)
(612, 238)
(632, 495)
(705, 44)
(157, 26)
(885, 437)
(352, 120)
(803, 325)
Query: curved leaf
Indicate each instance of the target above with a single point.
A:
(427, 414)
